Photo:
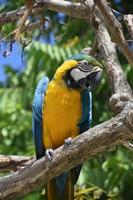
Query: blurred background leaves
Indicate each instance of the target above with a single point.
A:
(107, 176)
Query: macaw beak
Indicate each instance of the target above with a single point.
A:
(91, 79)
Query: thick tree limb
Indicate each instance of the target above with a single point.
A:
(116, 76)
(129, 23)
(94, 141)
(114, 71)
(120, 87)
(115, 29)
(12, 163)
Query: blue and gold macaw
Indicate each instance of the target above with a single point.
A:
(62, 110)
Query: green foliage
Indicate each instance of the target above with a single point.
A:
(15, 122)
(110, 172)
(107, 176)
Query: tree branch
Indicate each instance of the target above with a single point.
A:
(121, 90)
(90, 143)
(13, 163)
(72, 9)
(113, 68)
(129, 23)
(116, 76)
(120, 87)
(115, 29)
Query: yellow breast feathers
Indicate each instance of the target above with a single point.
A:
(62, 110)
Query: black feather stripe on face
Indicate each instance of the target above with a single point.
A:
(69, 81)
(83, 76)
(84, 66)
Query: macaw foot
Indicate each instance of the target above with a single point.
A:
(49, 154)
(68, 142)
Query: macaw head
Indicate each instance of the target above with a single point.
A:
(80, 72)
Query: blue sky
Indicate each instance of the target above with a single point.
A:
(14, 59)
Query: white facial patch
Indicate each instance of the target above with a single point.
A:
(77, 74)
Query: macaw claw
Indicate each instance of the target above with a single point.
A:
(49, 154)
(68, 141)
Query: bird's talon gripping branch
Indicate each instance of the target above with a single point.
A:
(49, 154)
(68, 142)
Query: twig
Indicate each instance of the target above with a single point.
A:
(21, 25)
(22, 20)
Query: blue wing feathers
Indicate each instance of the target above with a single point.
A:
(86, 118)
(60, 182)
(37, 115)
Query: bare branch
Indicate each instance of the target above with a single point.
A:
(116, 76)
(72, 9)
(128, 145)
(115, 29)
(12, 163)
(118, 82)
(90, 143)
(122, 92)
(11, 16)
(129, 23)
(21, 24)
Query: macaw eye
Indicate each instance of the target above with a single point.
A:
(95, 68)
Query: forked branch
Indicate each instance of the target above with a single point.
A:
(90, 143)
